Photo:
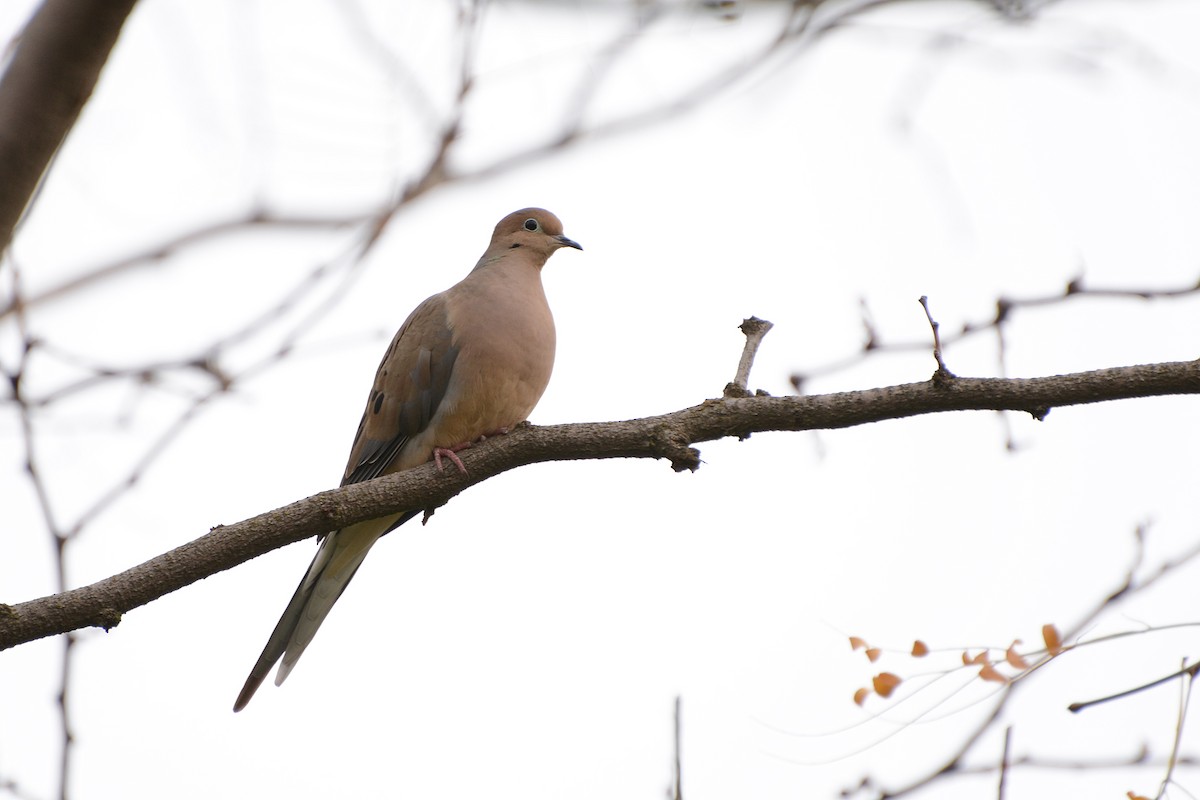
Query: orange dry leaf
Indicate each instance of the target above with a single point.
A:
(1015, 659)
(860, 696)
(885, 683)
(1052, 639)
(857, 643)
(989, 673)
(920, 649)
(1133, 796)
(980, 658)
(873, 654)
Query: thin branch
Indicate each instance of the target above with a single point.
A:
(1004, 762)
(1188, 672)
(1185, 696)
(162, 250)
(59, 538)
(942, 372)
(1141, 758)
(874, 342)
(755, 330)
(954, 765)
(1131, 586)
(710, 86)
(669, 436)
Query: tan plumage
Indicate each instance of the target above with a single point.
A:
(468, 362)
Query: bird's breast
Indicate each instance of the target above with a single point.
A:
(506, 355)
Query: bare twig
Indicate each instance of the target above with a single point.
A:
(1141, 758)
(1188, 672)
(754, 329)
(58, 536)
(170, 246)
(1005, 308)
(794, 31)
(1004, 761)
(1130, 585)
(942, 372)
(1185, 696)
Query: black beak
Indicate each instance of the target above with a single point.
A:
(565, 242)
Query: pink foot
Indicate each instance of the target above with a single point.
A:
(452, 452)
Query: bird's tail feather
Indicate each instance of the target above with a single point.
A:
(338, 558)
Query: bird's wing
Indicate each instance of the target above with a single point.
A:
(410, 384)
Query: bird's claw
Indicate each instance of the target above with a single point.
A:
(446, 452)
(452, 452)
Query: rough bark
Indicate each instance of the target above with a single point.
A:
(669, 436)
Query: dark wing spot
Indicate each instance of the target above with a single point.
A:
(513, 246)
(378, 403)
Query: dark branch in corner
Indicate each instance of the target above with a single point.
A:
(42, 92)
(668, 436)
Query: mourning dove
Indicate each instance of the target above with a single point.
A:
(467, 363)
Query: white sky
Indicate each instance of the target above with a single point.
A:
(529, 642)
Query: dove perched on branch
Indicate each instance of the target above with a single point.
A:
(468, 363)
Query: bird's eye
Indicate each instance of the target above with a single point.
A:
(531, 224)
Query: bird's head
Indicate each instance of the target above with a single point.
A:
(533, 228)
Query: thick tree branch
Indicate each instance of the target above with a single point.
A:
(52, 74)
(668, 436)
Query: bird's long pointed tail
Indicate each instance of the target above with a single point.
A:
(338, 558)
